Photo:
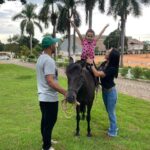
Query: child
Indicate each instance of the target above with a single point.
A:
(89, 42)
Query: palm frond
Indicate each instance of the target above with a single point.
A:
(101, 6)
(136, 9)
(18, 16)
(22, 25)
(54, 18)
(62, 20)
(145, 2)
(44, 15)
(77, 19)
(38, 25)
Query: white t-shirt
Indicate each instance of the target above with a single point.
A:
(46, 66)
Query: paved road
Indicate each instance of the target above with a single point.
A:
(134, 88)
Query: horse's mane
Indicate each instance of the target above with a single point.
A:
(73, 67)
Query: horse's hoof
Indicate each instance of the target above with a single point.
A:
(77, 134)
(89, 135)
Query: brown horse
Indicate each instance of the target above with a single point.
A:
(81, 88)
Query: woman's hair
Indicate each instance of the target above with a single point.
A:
(90, 30)
(114, 59)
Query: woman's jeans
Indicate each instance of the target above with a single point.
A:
(110, 98)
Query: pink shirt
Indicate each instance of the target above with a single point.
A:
(88, 49)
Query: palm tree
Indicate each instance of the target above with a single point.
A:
(66, 9)
(77, 21)
(29, 20)
(123, 8)
(89, 6)
(46, 14)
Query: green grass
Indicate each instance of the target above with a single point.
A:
(20, 118)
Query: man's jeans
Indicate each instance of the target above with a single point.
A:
(110, 98)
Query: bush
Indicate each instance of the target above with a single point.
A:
(124, 71)
(31, 58)
(136, 72)
(62, 64)
(146, 73)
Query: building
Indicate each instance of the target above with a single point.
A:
(78, 48)
(134, 46)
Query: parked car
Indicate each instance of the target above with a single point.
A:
(4, 57)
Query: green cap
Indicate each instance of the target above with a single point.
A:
(48, 41)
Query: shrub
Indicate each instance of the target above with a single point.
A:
(31, 58)
(62, 64)
(136, 72)
(146, 73)
(124, 71)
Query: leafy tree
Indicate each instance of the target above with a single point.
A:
(2, 46)
(13, 45)
(123, 8)
(24, 40)
(113, 40)
(29, 20)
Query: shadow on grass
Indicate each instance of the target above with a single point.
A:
(23, 77)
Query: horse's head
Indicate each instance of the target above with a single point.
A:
(75, 81)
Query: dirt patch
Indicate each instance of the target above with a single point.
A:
(141, 60)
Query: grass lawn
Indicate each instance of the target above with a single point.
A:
(20, 118)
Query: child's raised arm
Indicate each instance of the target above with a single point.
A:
(99, 36)
(76, 29)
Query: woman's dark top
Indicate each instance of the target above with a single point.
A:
(107, 82)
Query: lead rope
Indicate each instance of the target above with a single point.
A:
(65, 109)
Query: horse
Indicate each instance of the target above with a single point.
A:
(81, 90)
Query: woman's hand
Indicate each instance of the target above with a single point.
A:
(89, 61)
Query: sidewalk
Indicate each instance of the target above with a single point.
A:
(133, 88)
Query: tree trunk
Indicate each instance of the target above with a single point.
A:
(90, 19)
(54, 35)
(74, 44)
(30, 44)
(123, 21)
(68, 41)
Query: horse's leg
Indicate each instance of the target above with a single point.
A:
(83, 113)
(88, 118)
(77, 120)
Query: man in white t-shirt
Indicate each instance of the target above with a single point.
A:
(48, 88)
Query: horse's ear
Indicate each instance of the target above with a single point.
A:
(71, 60)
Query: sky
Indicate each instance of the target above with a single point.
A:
(138, 28)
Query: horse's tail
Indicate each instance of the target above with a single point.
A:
(82, 110)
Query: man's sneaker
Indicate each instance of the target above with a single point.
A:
(54, 141)
(51, 148)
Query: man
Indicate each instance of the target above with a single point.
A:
(47, 90)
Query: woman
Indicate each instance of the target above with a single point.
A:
(107, 71)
